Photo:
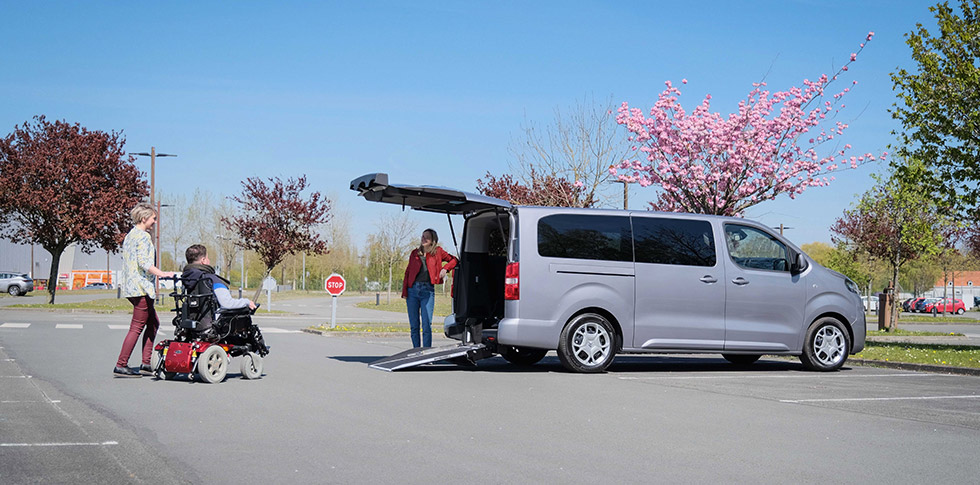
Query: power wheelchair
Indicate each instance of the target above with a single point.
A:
(205, 339)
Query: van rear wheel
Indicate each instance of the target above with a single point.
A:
(521, 355)
(826, 346)
(587, 344)
(741, 358)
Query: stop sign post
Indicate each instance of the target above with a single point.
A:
(335, 285)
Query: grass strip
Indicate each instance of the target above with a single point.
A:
(900, 332)
(923, 318)
(443, 306)
(932, 354)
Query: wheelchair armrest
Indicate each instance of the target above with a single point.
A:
(236, 311)
(189, 324)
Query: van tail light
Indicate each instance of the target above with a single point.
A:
(512, 282)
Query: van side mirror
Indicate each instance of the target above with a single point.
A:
(799, 264)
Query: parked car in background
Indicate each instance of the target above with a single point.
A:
(870, 303)
(943, 306)
(920, 306)
(912, 303)
(905, 304)
(16, 283)
(97, 286)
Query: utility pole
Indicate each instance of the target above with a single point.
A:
(781, 227)
(153, 188)
(626, 193)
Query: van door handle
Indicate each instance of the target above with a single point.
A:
(708, 279)
(740, 281)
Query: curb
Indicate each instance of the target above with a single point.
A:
(936, 369)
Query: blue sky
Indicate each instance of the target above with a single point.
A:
(429, 92)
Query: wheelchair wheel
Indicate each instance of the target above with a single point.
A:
(156, 363)
(212, 364)
(251, 366)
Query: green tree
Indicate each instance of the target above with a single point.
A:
(895, 221)
(940, 103)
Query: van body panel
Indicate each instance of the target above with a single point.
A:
(675, 309)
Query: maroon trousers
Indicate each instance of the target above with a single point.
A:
(144, 318)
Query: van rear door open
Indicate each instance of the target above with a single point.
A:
(375, 188)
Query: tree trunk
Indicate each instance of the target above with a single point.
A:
(893, 325)
(53, 273)
(258, 289)
(390, 264)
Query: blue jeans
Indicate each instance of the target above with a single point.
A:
(421, 301)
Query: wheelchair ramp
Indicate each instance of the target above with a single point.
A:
(463, 354)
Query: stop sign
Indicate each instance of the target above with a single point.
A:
(335, 284)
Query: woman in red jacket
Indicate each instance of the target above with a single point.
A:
(427, 266)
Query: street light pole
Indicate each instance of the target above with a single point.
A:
(153, 189)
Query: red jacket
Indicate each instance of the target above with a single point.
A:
(434, 264)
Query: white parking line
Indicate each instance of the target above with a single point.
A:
(914, 398)
(278, 330)
(104, 443)
(118, 327)
(28, 402)
(801, 376)
(69, 325)
(15, 325)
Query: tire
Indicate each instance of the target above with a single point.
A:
(212, 364)
(251, 366)
(587, 344)
(13, 290)
(826, 346)
(959, 311)
(523, 356)
(157, 362)
(741, 359)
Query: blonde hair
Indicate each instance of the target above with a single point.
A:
(142, 212)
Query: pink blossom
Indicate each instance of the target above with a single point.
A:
(854, 56)
(684, 81)
(871, 34)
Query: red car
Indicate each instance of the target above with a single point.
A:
(943, 306)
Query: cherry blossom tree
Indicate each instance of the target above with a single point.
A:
(61, 184)
(712, 164)
(275, 221)
(544, 190)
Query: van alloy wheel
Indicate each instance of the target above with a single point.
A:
(826, 346)
(587, 344)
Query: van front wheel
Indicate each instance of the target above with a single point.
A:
(587, 344)
(826, 346)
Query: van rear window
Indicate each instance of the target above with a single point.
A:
(674, 241)
(585, 237)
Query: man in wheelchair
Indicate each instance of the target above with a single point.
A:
(210, 304)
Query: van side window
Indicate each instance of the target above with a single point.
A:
(754, 249)
(585, 237)
(673, 241)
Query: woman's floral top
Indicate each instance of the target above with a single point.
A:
(137, 256)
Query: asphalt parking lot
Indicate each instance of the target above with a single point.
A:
(320, 415)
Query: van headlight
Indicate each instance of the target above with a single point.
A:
(852, 286)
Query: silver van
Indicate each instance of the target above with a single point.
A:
(593, 283)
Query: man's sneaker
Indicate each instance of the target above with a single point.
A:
(125, 372)
(146, 370)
